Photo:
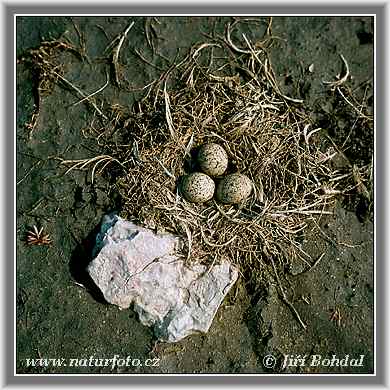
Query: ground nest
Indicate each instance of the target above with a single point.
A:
(229, 95)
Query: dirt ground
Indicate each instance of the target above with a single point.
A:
(57, 318)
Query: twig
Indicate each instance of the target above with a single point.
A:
(147, 28)
(189, 238)
(361, 115)
(96, 92)
(81, 93)
(201, 47)
(334, 84)
(313, 265)
(147, 61)
(171, 175)
(29, 171)
(81, 164)
(308, 135)
(216, 245)
(232, 45)
(189, 146)
(284, 297)
(116, 50)
(168, 115)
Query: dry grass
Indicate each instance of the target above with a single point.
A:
(229, 95)
(267, 135)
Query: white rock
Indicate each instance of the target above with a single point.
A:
(135, 265)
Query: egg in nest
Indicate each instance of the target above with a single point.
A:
(212, 159)
(234, 188)
(197, 187)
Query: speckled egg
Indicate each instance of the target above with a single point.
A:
(234, 188)
(198, 187)
(212, 159)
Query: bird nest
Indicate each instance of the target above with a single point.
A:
(228, 95)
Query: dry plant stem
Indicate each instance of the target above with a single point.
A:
(82, 164)
(81, 93)
(361, 115)
(189, 240)
(362, 105)
(148, 28)
(311, 267)
(29, 171)
(116, 51)
(168, 115)
(33, 121)
(165, 169)
(146, 61)
(216, 245)
(96, 92)
(284, 297)
(335, 84)
(80, 37)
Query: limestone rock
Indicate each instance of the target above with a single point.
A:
(133, 265)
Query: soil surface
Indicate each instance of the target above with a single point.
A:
(57, 318)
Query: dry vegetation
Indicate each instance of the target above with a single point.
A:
(229, 95)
